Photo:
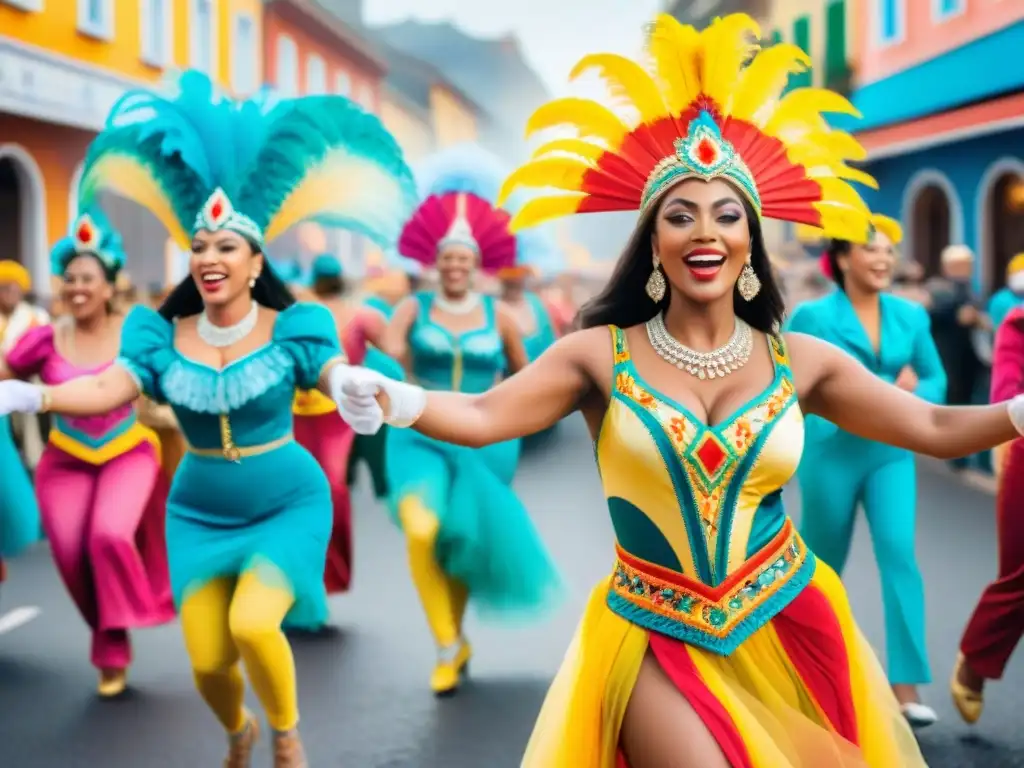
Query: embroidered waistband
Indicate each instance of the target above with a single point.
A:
(102, 452)
(718, 618)
(242, 452)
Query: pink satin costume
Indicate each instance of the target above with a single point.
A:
(320, 430)
(101, 497)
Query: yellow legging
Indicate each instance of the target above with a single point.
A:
(227, 619)
(444, 599)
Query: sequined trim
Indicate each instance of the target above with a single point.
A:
(718, 619)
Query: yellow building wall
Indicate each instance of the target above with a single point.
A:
(454, 123)
(414, 136)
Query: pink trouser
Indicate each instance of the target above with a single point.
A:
(330, 441)
(105, 525)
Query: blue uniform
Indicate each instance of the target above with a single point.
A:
(486, 540)
(840, 471)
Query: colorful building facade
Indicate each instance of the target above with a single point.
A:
(940, 86)
(307, 51)
(63, 64)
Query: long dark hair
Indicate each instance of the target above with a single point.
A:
(624, 302)
(110, 272)
(835, 249)
(270, 291)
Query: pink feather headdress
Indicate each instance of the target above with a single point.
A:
(462, 218)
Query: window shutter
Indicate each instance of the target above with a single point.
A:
(835, 42)
(802, 38)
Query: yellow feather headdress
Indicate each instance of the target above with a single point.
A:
(708, 105)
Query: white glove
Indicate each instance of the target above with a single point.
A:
(20, 397)
(360, 387)
(362, 412)
(1015, 409)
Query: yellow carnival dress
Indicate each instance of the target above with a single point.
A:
(711, 577)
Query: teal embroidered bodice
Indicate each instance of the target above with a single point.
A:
(471, 361)
(544, 335)
(255, 391)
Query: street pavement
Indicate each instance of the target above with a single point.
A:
(363, 691)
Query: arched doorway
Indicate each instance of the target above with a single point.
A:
(930, 228)
(23, 213)
(1002, 218)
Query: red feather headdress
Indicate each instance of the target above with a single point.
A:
(709, 105)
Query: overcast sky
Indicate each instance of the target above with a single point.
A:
(555, 34)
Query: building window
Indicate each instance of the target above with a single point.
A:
(889, 21)
(244, 56)
(802, 39)
(343, 84)
(836, 68)
(316, 75)
(203, 36)
(96, 18)
(287, 67)
(943, 10)
(156, 30)
(24, 5)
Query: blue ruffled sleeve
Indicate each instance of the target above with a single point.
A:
(308, 333)
(147, 348)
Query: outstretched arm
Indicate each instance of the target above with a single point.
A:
(93, 395)
(530, 401)
(833, 385)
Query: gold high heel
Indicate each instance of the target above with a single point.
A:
(451, 668)
(288, 751)
(242, 744)
(968, 702)
(113, 682)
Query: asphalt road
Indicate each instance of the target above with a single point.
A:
(364, 695)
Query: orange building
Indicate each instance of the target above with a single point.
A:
(308, 50)
(64, 64)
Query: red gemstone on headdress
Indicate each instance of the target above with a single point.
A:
(707, 152)
(84, 233)
(217, 209)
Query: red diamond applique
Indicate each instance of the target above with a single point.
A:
(707, 152)
(217, 210)
(84, 234)
(711, 455)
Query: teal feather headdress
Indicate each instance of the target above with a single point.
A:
(199, 160)
(92, 233)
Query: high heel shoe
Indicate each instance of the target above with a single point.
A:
(452, 666)
(969, 702)
(113, 682)
(288, 751)
(241, 744)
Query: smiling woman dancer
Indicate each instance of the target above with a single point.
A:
(840, 472)
(468, 535)
(101, 492)
(249, 515)
(719, 639)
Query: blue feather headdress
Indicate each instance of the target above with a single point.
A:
(202, 161)
(538, 252)
(90, 233)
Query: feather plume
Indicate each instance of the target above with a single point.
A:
(461, 168)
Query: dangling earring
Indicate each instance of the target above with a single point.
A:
(656, 282)
(749, 284)
(252, 281)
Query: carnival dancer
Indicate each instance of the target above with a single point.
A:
(19, 513)
(101, 493)
(467, 533)
(719, 639)
(320, 429)
(249, 515)
(996, 626)
(840, 471)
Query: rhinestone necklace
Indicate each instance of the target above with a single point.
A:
(218, 336)
(732, 356)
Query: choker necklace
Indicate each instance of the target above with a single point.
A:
(462, 306)
(730, 357)
(218, 336)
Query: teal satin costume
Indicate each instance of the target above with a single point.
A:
(999, 306)
(840, 471)
(19, 512)
(544, 335)
(274, 507)
(486, 540)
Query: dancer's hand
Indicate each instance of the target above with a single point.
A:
(20, 397)
(365, 394)
(361, 411)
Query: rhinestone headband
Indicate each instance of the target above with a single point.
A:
(218, 214)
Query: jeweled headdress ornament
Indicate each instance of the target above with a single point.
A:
(199, 160)
(708, 105)
(91, 232)
(458, 187)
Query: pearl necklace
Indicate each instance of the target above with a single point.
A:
(730, 357)
(219, 336)
(462, 306)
